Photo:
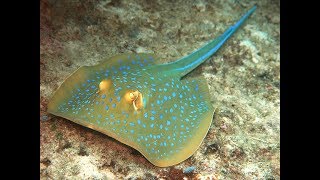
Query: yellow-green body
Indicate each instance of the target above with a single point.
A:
(176, 113)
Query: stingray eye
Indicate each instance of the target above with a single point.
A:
(104, 85)
(130, 96)
(134, 98)
(138, 102)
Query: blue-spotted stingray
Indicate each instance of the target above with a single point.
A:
(142, 103)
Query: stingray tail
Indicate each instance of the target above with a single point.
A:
(186, 64)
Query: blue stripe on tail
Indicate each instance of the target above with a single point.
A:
(186, 64)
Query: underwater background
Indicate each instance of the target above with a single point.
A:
(243, 141)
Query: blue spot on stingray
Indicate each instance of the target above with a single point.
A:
(160, 116)
(131, 123)
(144, 101)
(113, 105)
(107, 107)
(103, 96)
(173, 94)
(168, 123)
(139, 122)
(152, 125)
(152, 118)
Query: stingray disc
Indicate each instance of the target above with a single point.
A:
(126, 97)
